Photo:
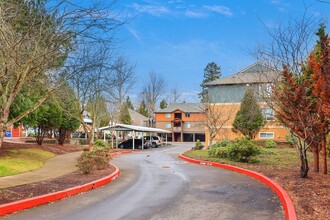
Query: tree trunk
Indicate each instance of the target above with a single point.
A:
(210, 143)
(2, 133)
(40, 135)
(316, 159)
(303, 163)
(91, 141)
(324, 149)
(62, 133)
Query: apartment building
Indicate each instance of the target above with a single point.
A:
(186, 121)
(225, 94)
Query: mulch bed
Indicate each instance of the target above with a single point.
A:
(49, 186)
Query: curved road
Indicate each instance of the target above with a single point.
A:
(156, 184)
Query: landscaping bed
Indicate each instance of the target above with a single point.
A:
(74, 179)
(311, 196)
(16, 193)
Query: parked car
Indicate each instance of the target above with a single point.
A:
(155, 140)
(128, 144)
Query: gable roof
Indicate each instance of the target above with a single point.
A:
(185, 107)
(256, 73)
(137, 116)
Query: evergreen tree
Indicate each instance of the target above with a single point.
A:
(249, 118)
(143, 109)
(211, 72)
(124, 116)
(129, 103)
(163, 104)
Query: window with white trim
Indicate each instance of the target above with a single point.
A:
(266, 135)
(167, 115)
(168, 125)
(187, 115)
(268, 113)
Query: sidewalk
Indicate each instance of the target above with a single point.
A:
(57, 166)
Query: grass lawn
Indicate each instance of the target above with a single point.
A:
(270, 158)
(22, 160)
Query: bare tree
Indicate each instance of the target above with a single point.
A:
(216, 118)
(175, 95)
(90, 85)
(36, 39)
(121, 80)
(290, 43)
(152, 90)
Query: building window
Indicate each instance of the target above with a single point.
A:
(187, 115)
(268, 114)
(187, 125)
(266, 90)
(168, 115)
(168, 125)
(266, 135)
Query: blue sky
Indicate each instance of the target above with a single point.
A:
(177, 38)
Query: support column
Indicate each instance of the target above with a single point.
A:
(116, 140)
(133, 134)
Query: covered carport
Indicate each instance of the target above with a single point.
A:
(133, 128)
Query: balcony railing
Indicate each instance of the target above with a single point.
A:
(177, 129)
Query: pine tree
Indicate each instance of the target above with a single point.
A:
(211, 72)
(249, 118)
(163, 104)
(143, 109)
(129, 103)
(124, 116)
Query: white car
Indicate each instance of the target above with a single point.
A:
(155, 140)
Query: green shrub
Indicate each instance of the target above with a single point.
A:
(270, 144)
(242, 150)
(290, 139)
(97, 159)
(267, 152)
(253, 160)
(224, 143)
(219, 152)
(198, 146)
(100, 143)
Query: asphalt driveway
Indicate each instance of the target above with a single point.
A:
(156, 184)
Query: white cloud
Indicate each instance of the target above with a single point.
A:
(219, 9)
(195, 14)
(134, 33)
(155, 10)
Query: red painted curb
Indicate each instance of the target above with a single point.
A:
(285, 199)
(51, 197)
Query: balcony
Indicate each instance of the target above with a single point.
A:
(177, 129)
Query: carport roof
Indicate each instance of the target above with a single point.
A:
(124, 127)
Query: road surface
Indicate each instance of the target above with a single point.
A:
(156, 184)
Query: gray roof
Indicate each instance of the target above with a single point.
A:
(124, 127)
(137, 118)
(185, 107)
(256, 73)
